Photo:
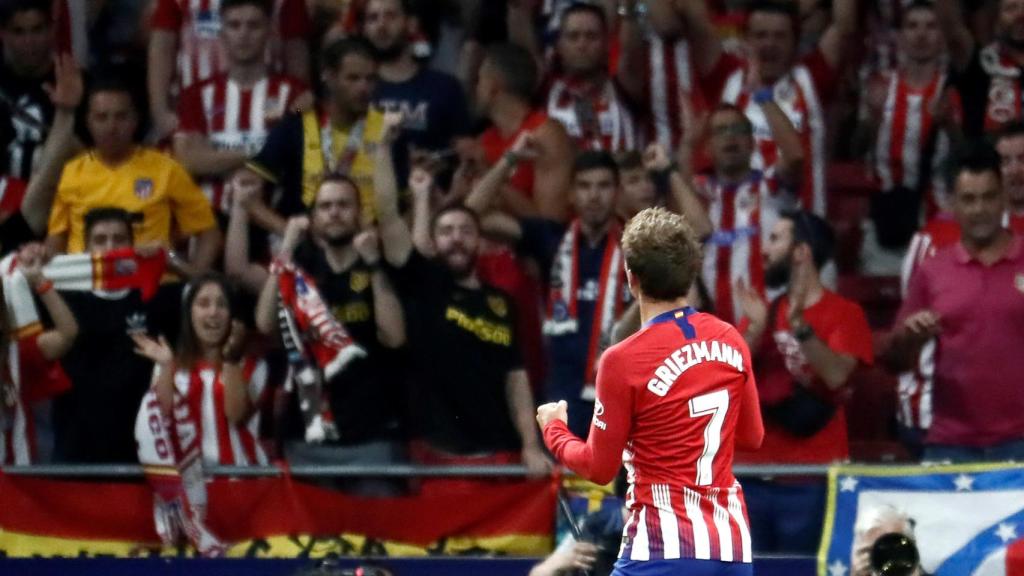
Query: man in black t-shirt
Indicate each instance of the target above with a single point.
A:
(433, 106)
(26, 31)
(365, 396)
(95, 421)
(471, 395)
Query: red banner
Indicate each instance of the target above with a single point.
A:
(53, 517)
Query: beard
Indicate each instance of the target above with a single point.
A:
(389, 53)
(460, 269)
(339, 240)
(777, 275)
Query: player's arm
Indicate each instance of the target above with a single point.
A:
(600, 457)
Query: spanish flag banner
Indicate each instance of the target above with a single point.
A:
(278, 517)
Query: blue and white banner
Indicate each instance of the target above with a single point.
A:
(968, 520)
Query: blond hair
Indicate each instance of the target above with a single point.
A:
(662, 253)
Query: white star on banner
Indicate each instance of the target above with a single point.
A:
(964, 483)
(847, 484)
(1007, 532)
(837, 568)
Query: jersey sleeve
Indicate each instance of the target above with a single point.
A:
(60, 212)
(853, 336)
(191, 209)
(600, 457)
(167, 16)
(293, 22)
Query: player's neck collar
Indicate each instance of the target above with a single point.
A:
(671, 315)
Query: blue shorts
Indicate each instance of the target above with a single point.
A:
(686, 566)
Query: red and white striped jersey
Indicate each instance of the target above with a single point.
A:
(905, 132)
(197, 24)
(224, 443)
(674, 402)
(669, 81)
(595, 121)
(234, 118)
(800, 94)
(742, 216)
(915, 386)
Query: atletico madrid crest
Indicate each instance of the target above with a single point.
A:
(143, 188)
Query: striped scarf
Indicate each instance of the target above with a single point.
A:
(563, 300)
(318, 348)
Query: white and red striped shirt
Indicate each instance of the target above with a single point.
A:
(222, 442)
(197, 24)
(235, 118)
(610, 125)
(905, 131)
(801, 95)
(742, 216)
(669, 80)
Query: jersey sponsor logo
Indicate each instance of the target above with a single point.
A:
(352, 313)
(414, 116)
(687, 357)
(498, 305)
(482, 328)
(598, 412)
(207, 24)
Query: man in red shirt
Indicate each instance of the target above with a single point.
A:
(536, 185)
(801, 87)
(673, 402)
(969, 297)
(807, 344)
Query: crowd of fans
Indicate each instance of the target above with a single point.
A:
(454, 176)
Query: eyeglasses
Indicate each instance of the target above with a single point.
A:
(737, 129)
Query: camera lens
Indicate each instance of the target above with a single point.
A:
(894, 554)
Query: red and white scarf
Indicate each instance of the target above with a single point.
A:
(563, 300)
(318, 348)
(170, 451)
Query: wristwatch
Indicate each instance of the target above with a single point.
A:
(803, 333)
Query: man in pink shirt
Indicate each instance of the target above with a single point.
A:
(970, 297)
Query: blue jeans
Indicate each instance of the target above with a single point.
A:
(785, 518)
(1012, 450)
(686, 566)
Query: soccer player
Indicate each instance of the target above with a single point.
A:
(674, 400)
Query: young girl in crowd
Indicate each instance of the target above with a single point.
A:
(210, 374)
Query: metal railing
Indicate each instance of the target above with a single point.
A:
(364, 471)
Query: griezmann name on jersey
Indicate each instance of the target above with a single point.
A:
(674, 401)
